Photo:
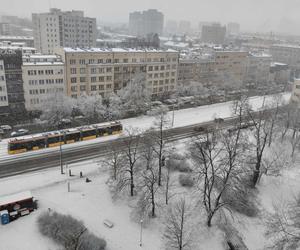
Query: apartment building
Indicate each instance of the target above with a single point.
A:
(213, 33)
(288, 54)
(102, 71)
(231, 65)
(12, 60)
(3, 90)
(296, 92)
(258, 68)
(198, 70)
(146, 22)
(43, 75)
(63, 29)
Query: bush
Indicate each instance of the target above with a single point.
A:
(186, 180)
(68, 232)
(180, 165)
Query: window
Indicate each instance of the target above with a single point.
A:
(174, 59)
(42, 91)
(82, 79)
(116, 61)
(117, 69)
(125, 60)
(81, 61)
(82, 88)
(93, 79)
(74, 88)
(168, 67)
(93, 71)
(82, 70)
(40, 72)
(150, 68)
(162, 67)
(161, 75)
(134, 60)
(101, 70)
(91, 61)
(109, 78)
(73, 70)
(100, 60)
(72, 61)
(73, 79)
(150, 75)
(172, 80)
(101, 87)
(108, 70)
(108, 60)
(101, 78)
(108, 86)
(161, 82)
(174, 66)
(156, 68)
(93, 88)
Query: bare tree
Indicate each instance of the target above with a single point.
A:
(114, 161)
(131, 152)
(177, 226)
(283, 226)
(295, 141)
(159, 139)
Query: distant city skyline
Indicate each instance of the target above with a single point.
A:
(254, 15)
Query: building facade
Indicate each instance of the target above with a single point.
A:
(43, 75)
(231, 65)
(287, 54)
(258, 68)
(146, 22)
(12, 59)
(198, 70)
(214, 33)
(63, 29)
(102, 71)
(3, 90)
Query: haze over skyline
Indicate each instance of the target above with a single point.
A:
(253, 15)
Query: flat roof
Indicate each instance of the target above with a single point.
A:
(13, 198)
(121, 50)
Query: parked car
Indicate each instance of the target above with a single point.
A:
(20, 132)
(5, 127)
(200, 129)
(219, 120)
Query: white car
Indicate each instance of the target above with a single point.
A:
(6, 127)
(20, 132)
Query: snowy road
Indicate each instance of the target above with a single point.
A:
(183, 118)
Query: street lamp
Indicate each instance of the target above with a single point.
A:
(141, 234)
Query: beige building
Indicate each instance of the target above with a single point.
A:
(199, 70)
(43, 75)
(296, 92)
(231, 65)
(63, 29)
(102, 71)
(258, 68)
(3, 88)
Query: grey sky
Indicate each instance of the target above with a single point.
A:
(254, 15)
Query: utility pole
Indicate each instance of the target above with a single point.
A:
(141, 234)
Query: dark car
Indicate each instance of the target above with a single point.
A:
(200, 129)
(219, 120)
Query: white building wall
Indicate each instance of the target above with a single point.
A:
(3, 89)
(40, 81)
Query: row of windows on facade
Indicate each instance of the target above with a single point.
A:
(2, 78)
(117, 69)
(3, 98)
(1, 67)
(156, 75)
(125, 60)
(93, 88)
(42, 72)
(47, 81)
(161, 82)
(2, 88)
(44, 91)
(93, 79)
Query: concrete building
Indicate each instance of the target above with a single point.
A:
(233, 29)
(146, 22)
(5, 29)
(42, 76)
(198, 70)
(280, 73)
(296, 92)
(63, 29)
(214, 33)
(231, 65)
(287, 54)
(258, 68)
(13, 40)
(3, 90)
(102, 71)
(12, 59)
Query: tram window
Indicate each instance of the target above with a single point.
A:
(88, 133)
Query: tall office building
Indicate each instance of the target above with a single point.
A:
(63, 29)
(233, 28)
(146, 22)
(214, 33)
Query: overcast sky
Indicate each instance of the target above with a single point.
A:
(254, 15)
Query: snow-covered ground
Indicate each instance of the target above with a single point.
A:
(183, 117)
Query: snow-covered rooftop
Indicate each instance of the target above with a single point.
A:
(293, 46)
(8, 199)
(116, 50)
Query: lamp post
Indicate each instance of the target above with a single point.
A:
(141, 234)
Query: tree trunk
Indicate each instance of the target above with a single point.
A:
(153, 204)
(209, 219)
(131, 184)
(255, 178)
